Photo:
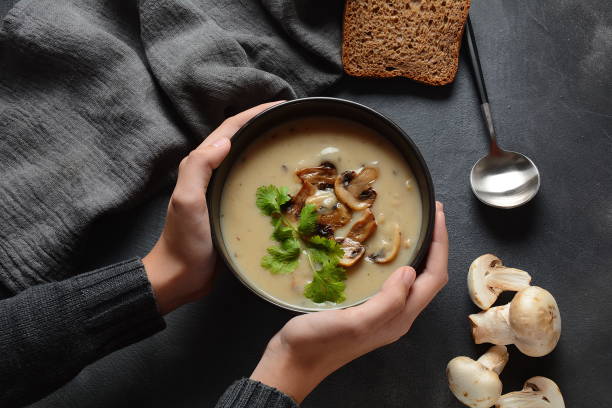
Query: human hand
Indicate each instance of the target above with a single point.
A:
(310, 347)
(180, 266)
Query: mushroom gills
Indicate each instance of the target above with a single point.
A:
(354, 188)
(363, 228)
(353, 251)
(389, 249)
(537, 392)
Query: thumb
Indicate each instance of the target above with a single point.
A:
(392, 297)
(196, 169)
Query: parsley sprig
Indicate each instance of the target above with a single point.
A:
(323, 254)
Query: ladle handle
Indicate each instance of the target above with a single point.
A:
(480, 84)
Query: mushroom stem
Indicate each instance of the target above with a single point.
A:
(492, 326)
(508, 279)
(495, 358)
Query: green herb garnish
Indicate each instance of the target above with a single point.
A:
(323, 254)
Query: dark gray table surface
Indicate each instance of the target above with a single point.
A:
(548, 66)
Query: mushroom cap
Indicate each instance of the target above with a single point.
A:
(472, 383)
(487, 278)
(535, 319)
(537, 392)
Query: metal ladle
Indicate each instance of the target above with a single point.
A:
(501, 179)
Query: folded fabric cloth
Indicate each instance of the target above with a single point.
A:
(100, 100)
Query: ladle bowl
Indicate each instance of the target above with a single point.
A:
(505, 179)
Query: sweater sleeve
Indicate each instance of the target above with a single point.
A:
(246, 393)
(50, 332)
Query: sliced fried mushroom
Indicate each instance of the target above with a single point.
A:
(355, 190)
(488, 277)
(331, 212)
(531, 321)
(538, 392)
(295, 205)
(363, 228)
(323, 176)
(339, 217)
(476, 383)
(389, 250)
(353, 251)
(324, 200)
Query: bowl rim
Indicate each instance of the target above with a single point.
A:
(218, 241)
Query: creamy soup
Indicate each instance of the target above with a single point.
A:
(274, 159)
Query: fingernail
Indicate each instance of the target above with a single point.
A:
(440, 206)
(220, 142)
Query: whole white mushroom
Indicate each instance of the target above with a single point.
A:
(476, 383)
(537, 392)
(488, 277)
(531, 321)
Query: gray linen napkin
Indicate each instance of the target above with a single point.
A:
(99, 100)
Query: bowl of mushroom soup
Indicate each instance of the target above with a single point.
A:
(318, 202)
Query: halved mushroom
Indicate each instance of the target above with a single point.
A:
(476, 383)
(487, 278)
(323, 176)
(331, 212)
(355, 190)
(389, 249)
(363, 228)
(537, 392)
(531, 321)
(353, 251)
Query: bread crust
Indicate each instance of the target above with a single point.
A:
(350, 29)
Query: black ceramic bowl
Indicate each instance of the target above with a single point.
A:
(320, 106)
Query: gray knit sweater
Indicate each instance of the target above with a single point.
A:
(99, 100)
(51, 331)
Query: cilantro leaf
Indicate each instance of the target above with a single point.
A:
(308, 220)
(281, 232)
(283, 258)
(278, 267)
(326, 286)
(329, 246)
(270, 198)
(328, 279)
(288, 250)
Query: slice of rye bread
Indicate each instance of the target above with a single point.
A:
(418, 39)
